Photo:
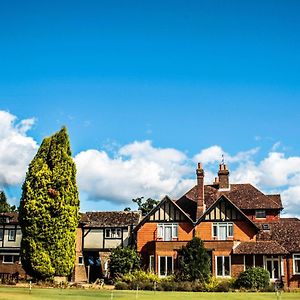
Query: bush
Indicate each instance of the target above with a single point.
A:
(184, 286)
(253, 278)
(140, 276)
(120, 285)
(123, 261)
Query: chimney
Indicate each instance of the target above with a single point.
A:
(200, 191)
(223, 175)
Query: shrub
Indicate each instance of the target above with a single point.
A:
(184, 286)
(140, 276)
(120, 285)
(253, 278)
(123, 261)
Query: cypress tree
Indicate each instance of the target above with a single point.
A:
(49, 210)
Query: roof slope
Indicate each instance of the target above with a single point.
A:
(244, 196)
(110, 218)
(285, 231)
(13, 216)
(260, 247)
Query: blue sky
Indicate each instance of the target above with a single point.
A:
(186, 75)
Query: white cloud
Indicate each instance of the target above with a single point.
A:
(138, 169)
(214, 154)
(16, 148)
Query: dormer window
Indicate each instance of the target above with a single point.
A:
(260, 214)
(265, 227)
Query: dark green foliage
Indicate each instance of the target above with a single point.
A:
(145, 206)
(123, 261)
(49, 210)
(120, 285)
(194, 262)
(253, 278)
(4, 205)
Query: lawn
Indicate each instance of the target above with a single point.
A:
(78, 294)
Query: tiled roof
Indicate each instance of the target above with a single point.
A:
(13, 216)
(110, 218)
(260, 247)
(244, 196)
(285, 231)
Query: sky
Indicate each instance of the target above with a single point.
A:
(149, 88)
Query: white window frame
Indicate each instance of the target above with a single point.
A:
(151, 264)
(258, 211)
(10, 237)
(82, 261)
(166, 267)
(110, 235)
(294, 265)
(8, 262)
(223, 266)
(217, 225)
(161, 230)
(272, 259)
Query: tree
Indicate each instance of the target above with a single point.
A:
(4, 205)
(145, 206)
(49, 210)
(194, 262)
(123, 261)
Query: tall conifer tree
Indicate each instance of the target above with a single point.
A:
(49, 210)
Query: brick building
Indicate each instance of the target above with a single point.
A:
(241, 227)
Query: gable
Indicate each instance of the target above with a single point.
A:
(223, 211)
(167, 211)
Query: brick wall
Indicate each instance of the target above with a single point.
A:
(242, 230)
(79, 272)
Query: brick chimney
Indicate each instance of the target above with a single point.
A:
(223, 175)
(200, 191)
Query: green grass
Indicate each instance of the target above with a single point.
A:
(79, 294)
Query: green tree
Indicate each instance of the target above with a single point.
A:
(49, 210)
(4, 205)
(123, 261)
(145, 206)
(194, 262)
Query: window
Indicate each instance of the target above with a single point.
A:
(296, 263)
(166, 265)
(80, 260)
(1, 234)
(8, 259)
(260, 214)
(223, 268)
(272, 265)
(265, 227)
(167, 232)
(151, 264)
(11, 234)
(113, 233)
(222, 231)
